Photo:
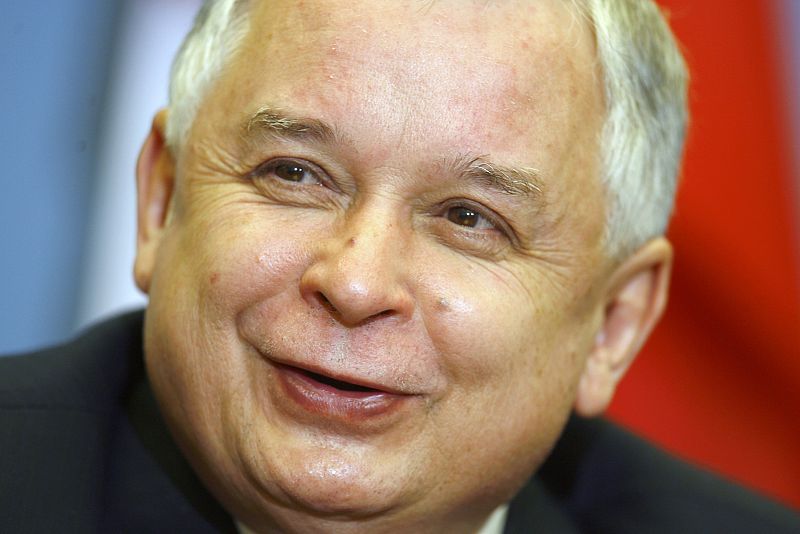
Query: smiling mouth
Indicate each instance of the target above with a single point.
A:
(321, 395)
(338, 384)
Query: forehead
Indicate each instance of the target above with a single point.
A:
(477, 75)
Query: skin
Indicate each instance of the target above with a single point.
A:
(495, 325)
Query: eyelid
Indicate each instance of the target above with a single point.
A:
(498, 222)
(267, 166)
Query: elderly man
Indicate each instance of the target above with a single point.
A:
(390, 247)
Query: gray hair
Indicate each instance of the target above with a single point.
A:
(645, 82)
(218, 28)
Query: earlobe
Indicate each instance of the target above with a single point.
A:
(635, 301)
(155, 179)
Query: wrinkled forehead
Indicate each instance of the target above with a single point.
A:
(525, 65)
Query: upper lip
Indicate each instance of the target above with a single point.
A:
(328, 373)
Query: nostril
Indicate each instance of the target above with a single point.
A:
(327, 304)
(338, 315)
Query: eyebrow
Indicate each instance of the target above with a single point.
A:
(514, 181)
(271, 122)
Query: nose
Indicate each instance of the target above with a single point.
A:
(358, 275)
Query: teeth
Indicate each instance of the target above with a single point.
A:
(338, 384)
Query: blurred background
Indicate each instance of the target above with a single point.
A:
(719, 383)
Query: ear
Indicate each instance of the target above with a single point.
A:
(635, 301)
(155, 180)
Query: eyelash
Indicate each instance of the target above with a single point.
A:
(271, 166)
(477, 209)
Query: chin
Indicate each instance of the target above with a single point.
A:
(348, 481)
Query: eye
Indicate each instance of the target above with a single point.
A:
(288, 170)
(293, 172)
(468, 217)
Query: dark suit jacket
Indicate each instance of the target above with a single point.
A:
(84, 449)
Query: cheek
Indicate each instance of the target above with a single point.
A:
(209, 270)
(235, 261)
(488, 325)
(514, 379)
(506, 352)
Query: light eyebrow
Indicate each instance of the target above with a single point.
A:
(271, 122)
(515, 181)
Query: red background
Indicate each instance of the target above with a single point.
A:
(719, 381)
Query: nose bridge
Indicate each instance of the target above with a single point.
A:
(359, 272)
(365, 251)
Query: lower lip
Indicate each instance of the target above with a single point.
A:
(335, 403)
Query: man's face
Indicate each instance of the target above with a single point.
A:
(365, 303)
